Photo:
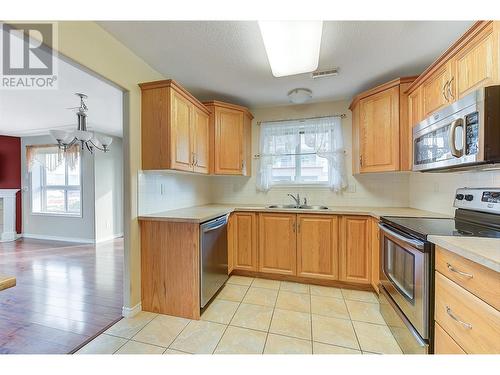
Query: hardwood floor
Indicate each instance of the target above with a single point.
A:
(65, 294)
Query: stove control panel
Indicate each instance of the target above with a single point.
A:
(478, 199)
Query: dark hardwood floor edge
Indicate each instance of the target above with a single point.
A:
(94, 336)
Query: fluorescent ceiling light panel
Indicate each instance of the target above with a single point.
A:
(292, 46)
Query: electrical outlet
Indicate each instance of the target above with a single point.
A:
(436, 187)
(351, 188)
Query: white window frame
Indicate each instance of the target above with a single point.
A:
(298, 163)
(44, 188)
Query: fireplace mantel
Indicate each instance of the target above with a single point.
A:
(8, 229)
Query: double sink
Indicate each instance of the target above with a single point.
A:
(297, 207)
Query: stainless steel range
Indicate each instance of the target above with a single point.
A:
(407, 263)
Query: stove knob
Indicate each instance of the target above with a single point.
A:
(469, 197)
(459, 197)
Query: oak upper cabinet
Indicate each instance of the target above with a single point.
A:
(277, 243)
(470, 63)
(355, 249)
(200, 139)
(244, 237)
(476, 65)
(174, 128)
(231, 138)
(437, 90)
(415, 107)
(317, 246)
(380, 128)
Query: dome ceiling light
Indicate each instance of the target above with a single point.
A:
(299, 96)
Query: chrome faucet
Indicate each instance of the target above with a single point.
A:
(295, 198)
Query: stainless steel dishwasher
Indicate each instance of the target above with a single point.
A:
(213, 257)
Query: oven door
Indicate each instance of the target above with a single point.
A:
(405, 274)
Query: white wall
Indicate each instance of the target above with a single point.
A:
(108, 172)
(367, 190)
(436, 191)
(79, 229)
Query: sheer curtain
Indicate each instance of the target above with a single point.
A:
(324, 135)
(50, 156)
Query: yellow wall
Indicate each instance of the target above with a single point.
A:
(91, 46)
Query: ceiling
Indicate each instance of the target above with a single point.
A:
(226, 60)
(28, 112)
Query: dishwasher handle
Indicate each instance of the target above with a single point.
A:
(214, 224)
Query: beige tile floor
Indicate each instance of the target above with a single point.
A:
(255, 316)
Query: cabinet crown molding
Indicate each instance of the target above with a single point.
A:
(217, 103)
(380, 88)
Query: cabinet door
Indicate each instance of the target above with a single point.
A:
(200, 141)
(444, 344)
(228, 141)
(277, 243)
(356, 152)
(435, 92)
(477, 65)
(182, 109)
(245, 241)
(379, 131)
(355, 259)
(317, 246)
(415, 107)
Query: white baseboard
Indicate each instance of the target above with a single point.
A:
(129, 312)
(57, 238)
(109, 238)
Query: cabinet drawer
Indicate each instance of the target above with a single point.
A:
(444, 344)
(479, 280)
(472, 323)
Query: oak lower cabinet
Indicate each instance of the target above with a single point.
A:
(277, 243)
(231, 138)
(317, 246)
(355, 249)
(244, 241)
(174, 128)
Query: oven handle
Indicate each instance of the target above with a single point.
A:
(415, 243)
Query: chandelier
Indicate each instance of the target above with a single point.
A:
(86, 139)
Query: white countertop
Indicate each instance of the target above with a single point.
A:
(484, 251)
(200, 214)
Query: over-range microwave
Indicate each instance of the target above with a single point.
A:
(462, 135)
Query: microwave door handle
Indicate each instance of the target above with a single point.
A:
(415, 243)
(453, 127)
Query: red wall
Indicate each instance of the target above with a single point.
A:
(10, 170)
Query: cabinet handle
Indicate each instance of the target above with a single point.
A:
(450, 91)
(450, 313)
(453, 269)
(444, 91)
(360, 160)
(298, 226)
(294, 224)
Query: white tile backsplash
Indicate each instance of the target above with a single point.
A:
(160, 191)
(436, 191)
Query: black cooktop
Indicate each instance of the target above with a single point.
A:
(421, 227)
